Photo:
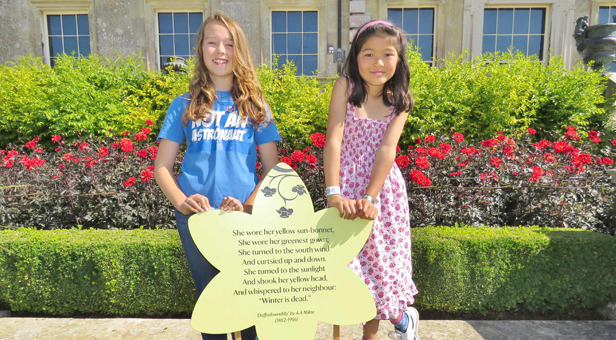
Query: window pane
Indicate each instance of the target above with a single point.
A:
(505, 21)
(489, 21)
(195, 20)
(82, 24)
(311, 22)
(55, 46)
(503, 42)
(165, 23)
(519, 43)
(295, 43)
(71, 46)
(410, 18)
(84, 46)
(425, 46)
(414, 38)
(489, 44)
(536, 20)
(163, 60)
(297, 60)
(611, 67)
(280, 43)
(193, 43)
(69, 24)
(426, 21)
(181, 44)
(294, 21)
(310, 65)
(535, 45)
(180, 22)
(166, 45)
(54, 25)
(310, 43)
(520, 21)
(604, 15)
(279, 21)
(395, 16)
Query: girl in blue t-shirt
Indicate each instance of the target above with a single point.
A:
(223, 119)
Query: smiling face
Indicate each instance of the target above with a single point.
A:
(218, 55)
(377, 61)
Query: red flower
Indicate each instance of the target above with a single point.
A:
(258, 166)
(581, 159)
(147, 175)
(445, 148)
(607, 161)
(417, 140)
(397, 148)
(149, 122)
(496, 162)
(422, 162)
(115, 145)
(548, 157)
(58, 149)
(403, 161)
(127, 144)
(286, 160)
(61, 166)
(531, 131)
(56, 138)
(571, 133)
(141, 136)
(429, 139)
(89, 161)
(311, 159)
(39, 150)
(469, 151)
(318, 139)
(83, 146)
(436, 153)
(297, 156)
(31, 144)
(420, 178)
(537, 174)
(146, 130)
(614, 142)
(142, 153)
(421, 151)
(562, 147)
(489, 143)
(501, 137)
(594, 136)
(129, 182)
(457, 173)
(458, 137)
(463, 164)
(103, 152)
(542, 144)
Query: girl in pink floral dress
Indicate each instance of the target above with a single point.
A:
(366, 116)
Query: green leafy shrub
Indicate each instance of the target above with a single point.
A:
(299, 104)
(457, 270)
(476, 270)
(95, 94)
(496, 92)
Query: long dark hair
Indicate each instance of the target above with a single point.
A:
(396, 90)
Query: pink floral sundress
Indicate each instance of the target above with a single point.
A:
(384, 264)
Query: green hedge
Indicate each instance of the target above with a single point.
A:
(457, 270)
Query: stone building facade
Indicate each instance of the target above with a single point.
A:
(312, 33)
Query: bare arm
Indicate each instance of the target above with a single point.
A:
(163, 172)
(269, 158)
(331, 152)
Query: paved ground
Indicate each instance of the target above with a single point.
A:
(153, 329)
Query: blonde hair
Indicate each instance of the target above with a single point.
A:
(246, 91)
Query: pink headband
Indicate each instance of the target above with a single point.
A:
(371, 23)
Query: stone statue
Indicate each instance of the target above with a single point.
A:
(595, 43)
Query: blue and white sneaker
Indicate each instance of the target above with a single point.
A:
(410, 333)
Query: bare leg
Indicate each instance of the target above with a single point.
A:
(371, 328)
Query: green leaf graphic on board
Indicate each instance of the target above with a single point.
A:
(283, 268)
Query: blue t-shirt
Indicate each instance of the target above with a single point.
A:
(221, 152)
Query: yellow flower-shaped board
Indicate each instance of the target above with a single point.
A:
(283, 268)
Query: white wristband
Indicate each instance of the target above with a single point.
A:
(332, 191)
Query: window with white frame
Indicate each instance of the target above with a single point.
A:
(68, 33)
(295, 38)
(522, 29)
(177, 34)
(418, 26)
(606, 14)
